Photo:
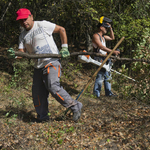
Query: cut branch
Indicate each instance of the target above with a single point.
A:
(133, 60)
(35, 56)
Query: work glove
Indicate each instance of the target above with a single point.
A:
(64, 52)
(11, 53)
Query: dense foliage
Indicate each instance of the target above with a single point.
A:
(130, 19)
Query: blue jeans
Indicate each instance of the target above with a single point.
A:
(102, 76)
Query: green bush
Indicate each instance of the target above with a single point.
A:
(23, 70)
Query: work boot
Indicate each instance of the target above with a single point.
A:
(76, 115)
(113, 95)
(36, 120)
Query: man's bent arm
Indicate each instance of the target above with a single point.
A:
(99, 43)
(62, 32)
(100, 46)
(111, 37)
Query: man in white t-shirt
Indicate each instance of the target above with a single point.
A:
(99, 45)
(37, 39)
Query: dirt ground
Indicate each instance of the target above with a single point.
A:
(106, 123)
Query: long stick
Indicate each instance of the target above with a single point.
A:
(35, 56)
(101, 66)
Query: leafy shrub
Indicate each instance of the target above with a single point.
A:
(23, 70)
(140, 71)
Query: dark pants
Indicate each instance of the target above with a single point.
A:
(47, 80)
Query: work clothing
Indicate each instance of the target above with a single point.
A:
(64, 52)
(39, 40)
(45, 80)
(11, 53)
(47, 71)
(102, 76)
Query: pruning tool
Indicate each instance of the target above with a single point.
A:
(107, 67)
(81, 93)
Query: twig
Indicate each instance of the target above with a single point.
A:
(133, 60)
(5, 11)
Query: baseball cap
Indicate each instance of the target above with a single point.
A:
(103, 22)
(23, 13)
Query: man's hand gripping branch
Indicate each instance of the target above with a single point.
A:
(11, 53)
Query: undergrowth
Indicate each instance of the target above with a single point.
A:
(140, 89)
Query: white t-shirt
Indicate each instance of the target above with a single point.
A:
(39, 40)
(99, 50)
